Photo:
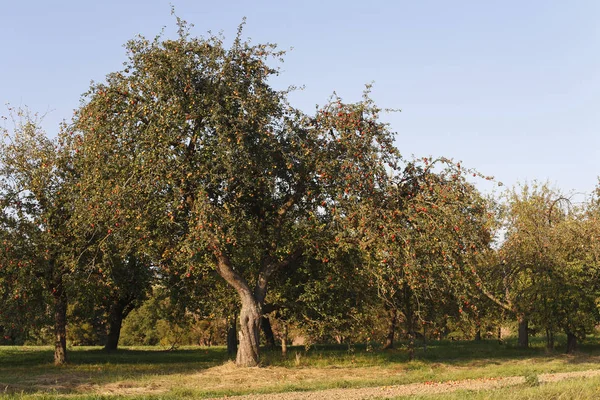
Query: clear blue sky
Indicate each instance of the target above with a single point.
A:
(511, 88)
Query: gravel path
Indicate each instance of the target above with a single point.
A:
(416, 388)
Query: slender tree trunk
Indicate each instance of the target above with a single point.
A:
(248, 350)
(523, 340)
(500, 335)
(60, 325)
(115, 321)
(232, 336)
(284, 339)
(478, 331)
(389, 340)
(571, 342)
(410, 329)
(549, 339)
(265, 325)
(411, 346)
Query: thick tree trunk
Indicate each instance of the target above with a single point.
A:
(115, 321)
(389, 340)
(478, 335)
(252, 302)
(523, 340)
(265, 325)
(232, 347)
(60, 326)
(248, 350)
(571, 342)
(284, 339)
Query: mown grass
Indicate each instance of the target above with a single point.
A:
(573, 389)
(153, 373)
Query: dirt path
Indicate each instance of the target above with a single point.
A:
(417, 388)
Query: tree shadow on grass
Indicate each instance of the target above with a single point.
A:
(457, 353)
(30, 369)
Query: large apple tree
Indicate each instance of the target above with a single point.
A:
(203, 162)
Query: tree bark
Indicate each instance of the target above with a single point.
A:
(232, 336)
(248, 350)
(250, 313)
(571, 342)
(115, 321)
(60, 325)
(265, 325)
(523, 340)
(284, 339)
(478, 335)
(389, 340)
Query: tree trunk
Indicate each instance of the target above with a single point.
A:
(411, 346)
(60, 325)
(284, 339)
(248, 350)
(232, 337)
(478, 335)
(252, 302)
(549, 339)
(523, 340)
(571, 342)
(410, 329)
(265, 325)
(500, 341)
(115, 321)
(389, 340)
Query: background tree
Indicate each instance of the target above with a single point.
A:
(543, 258)
(35, 184)
(424, 238)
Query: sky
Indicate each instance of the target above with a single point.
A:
(510, 88)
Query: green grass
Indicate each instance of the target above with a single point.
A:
(574, 389)
(147, 372)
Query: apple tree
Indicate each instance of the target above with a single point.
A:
(225, 172)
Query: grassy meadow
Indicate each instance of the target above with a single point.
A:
(155, 373)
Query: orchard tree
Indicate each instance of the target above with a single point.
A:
(36, 198)
(543, 262)
(226, 173)
(424, 237)
(518, 268)
(115, 284)
(573, 283)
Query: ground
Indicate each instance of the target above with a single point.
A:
(447, 369)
